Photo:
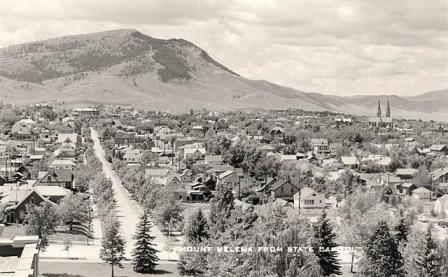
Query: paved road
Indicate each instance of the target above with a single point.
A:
(128, 210)
(79, 269)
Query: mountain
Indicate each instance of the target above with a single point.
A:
(128, 67)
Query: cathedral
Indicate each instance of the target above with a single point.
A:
(379, 120)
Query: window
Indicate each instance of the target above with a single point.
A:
(309, 202)
(281, 190)
(32, 200)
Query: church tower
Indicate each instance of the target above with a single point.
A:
(388, 109)
(378, 113)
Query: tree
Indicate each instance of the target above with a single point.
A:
(42, 221)
(421, 256)
(197, 227)
(402, 229)
(75, 208)
(145, 255)
(170, 213)
(381, 255)
(48, 114)
(324, 247)
(422, 178)
(112, 251)
(221, 208)
(67, 245)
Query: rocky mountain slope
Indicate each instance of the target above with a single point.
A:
(127, 67)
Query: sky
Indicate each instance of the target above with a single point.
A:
(341, 47)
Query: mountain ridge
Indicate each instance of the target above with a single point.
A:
(127, 67)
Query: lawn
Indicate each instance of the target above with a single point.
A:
(69, 269)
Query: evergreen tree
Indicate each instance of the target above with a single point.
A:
(112, 251)
(197, 228)
(324, 247)
(421, 258)
(221, 208)
(145, 255)
(433, 259)
(381, 255)
(402, 230)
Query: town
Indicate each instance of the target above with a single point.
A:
(113, 188)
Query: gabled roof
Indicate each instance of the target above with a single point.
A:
(437, 147)
(305, 193)
(436, 174)
(67, 138)
(406, 171)
(59, 175)
(421, 190)
(63, 162)
(279, 183)
(194, 150)
(349, 160)
(48, 191)
(407, 185)
(226, 174)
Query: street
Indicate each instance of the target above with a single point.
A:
(127, 209)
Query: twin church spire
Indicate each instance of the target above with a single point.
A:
(378, 112)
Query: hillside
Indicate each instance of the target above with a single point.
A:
(127, 67)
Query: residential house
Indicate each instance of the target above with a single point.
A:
(45, 137)
(53, 193)
(406, 189)
(124, 138)
(194, 153)
(350, 161)
(16, 213)
(439, 149)
(198, 131)
(157, 175)
(211, 160)
(443, 187)
(24, 126)
(441, 205)
(132, 156)
(422, 193)
(197, 192)
(68, 140)
(320, 146)
(229, 177)
(283, 189)
(440, 175)
(277, 133)
(308, 198)
(62, 164)
(56, 177)
(406, 173)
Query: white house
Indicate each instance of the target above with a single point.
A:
(194, 153)
(421, 193)
(132, 156)
(308, 198)
(62, 164)
(441, 204)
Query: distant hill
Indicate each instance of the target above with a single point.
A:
(128, 67)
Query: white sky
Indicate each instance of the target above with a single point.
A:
(330, 46)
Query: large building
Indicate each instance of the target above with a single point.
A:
(382, 121)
